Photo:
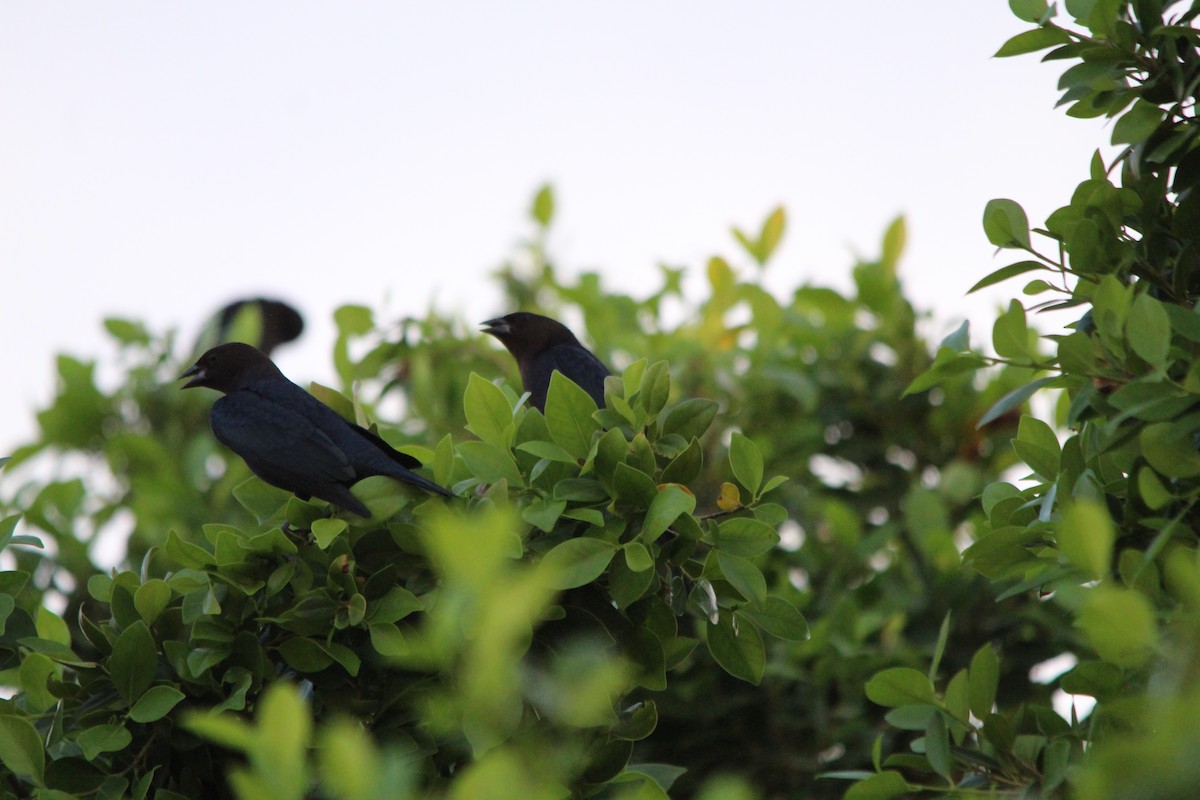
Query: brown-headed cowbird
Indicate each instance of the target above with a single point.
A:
(278, 323)
(289, 438)
(541, 346)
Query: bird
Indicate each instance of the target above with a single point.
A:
(542, 346)
(289, 438)
(275, 323)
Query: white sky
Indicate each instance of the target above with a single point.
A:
(159, 159)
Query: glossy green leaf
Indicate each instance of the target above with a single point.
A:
(490, 463)
(744, 576)
(937, 745)
(690, 418)
(542, 210)
(1037, 445)
(881, 786)
(1085, 536)
(1130, 644)
(326, 530)
(637, 557)
(576, 562)
(134, 661)
(1032, 41)
(668, 504)
(21, 749)
(569, 412)
(1170, 450)
(743, 536)
(106, 738)
(151, 598)
(1148, 330)
(739, 650)
(983, 679)
(1010, 333)
(488, 414)
(155, 703)
(780, 619)
(900, 686)
(1005, 223)
(746, 462)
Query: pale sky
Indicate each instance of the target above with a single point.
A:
(160, 159)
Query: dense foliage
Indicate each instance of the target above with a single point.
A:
(626, 601)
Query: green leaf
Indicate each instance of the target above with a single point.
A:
(488, 414)
(491, 464)
(280, 750)
(548, 450)
(746, 461)
(1028, 10)
(36, 669)
(151, 598)
(780, 619)
(1037, 445)
(983, 678)
(1085, 536)
(387, 640)
(325, 531)
(900, 686)
(1169, 449)
(350, 763)
(771, 234)
(882, 786)
(99, 739)
(743, 536)
(569, 411)
(946, 364)
(637, 557)
(744, 576)
(1138, 123)
(134, 661)
(261, 499)
(304, 655)
(937, 746)
(1032, 41)
(183, 553)
(577, 562)
(542, 210)
(543, 513)
(155, 703)
(1013, 399)
(739, 651)
(1010, 333)
(1004, 273)
(21, 748)
(690, 418)
(1130, 644)
(1005, 224)
(1148, 330)
(666, 507)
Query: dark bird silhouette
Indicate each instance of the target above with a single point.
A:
(289, 438)
(541, 346)
(278, 323)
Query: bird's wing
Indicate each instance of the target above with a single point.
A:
(278, 442)
(581, 365)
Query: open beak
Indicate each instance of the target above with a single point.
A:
(496, 327)
(196, 373)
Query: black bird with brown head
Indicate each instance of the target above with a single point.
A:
(289, 438)
(543, 346)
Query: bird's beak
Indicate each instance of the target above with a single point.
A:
(196, 373)
(496, 327)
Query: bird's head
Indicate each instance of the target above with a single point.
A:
(229, 367)
(526, 334)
